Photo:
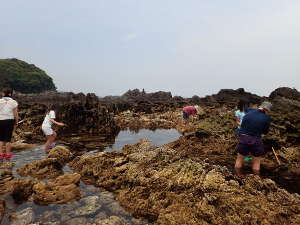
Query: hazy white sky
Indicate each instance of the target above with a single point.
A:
(186, 47)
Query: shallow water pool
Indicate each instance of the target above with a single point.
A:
(106, 211)
(157, 137)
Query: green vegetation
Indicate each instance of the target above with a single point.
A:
(24, 77)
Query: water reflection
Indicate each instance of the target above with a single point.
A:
(156, 137)
(95, 205)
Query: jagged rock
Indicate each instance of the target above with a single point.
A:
(61, 190)
(44, 168)
(61, 153)
(137, 95)
(290, 93)
(66, 179)
(21, 189)
(170, 187)
(231, 97)
(82, 114)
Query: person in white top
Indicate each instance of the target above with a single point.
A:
(47, 128)
(8, 118)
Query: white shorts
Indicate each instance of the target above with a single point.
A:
(47, 131)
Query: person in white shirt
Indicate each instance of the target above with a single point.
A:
(8, 119)
(47, 128)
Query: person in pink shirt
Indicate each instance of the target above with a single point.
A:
(188, 111)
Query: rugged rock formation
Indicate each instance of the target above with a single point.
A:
(136, 121)
(84, 116)
(140, 101)
(290, 93)
(42, 169)
(21, 189)
(52, 97)
(231, 97)
(50, 167)
(173, 187)
(61, 190)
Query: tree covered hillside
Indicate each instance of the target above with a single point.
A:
(24, 77)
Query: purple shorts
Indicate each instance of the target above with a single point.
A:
(250, 144)
(185, 115)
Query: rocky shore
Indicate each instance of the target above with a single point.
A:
(188, 181)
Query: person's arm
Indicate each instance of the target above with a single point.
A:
(57, 123)
(237, 118)
(238, 121)
(16, 115)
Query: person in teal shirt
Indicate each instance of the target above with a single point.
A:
(239, 114)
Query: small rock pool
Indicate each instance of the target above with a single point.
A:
(156, 137)
(96, 206)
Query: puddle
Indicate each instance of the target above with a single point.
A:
(107, 208)
(156, 137)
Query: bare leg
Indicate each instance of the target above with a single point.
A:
(2, 147)
(50, 140)
(239, 164)
(8, 147)
(256, 165)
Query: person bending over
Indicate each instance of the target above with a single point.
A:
(254, 124)
(188, 111)
(47, 128)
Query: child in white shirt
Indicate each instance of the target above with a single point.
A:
(47, 128)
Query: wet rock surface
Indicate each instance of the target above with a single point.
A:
(188, 181)
(172, 187)
(50, 167)
(61, 190)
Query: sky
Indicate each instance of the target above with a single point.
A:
(191, 47)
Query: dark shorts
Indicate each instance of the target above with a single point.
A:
(251, 144)
(6, 130)
(185, 115)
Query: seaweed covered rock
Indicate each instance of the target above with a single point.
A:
(41, 169)
(61, 190)
(21, 189)
(49, 167)
(170, 187)
(61, 153)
